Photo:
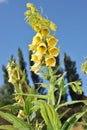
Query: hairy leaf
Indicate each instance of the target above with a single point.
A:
(72, 121)
(49, 115)
(17, 123)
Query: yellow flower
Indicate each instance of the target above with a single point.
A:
(37, 38)
(21, 114)
(37, 27)
(35, 67)
(31, 6)
(54, 51)
(20, 101)
(36, 58)
(28, 13)
(53, 26)
(45, 31)
(32, 47)
(11, 80)
(51, 61)
(42, 48)
(52, 41)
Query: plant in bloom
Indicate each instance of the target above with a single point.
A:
(43, 47)
(35, 111)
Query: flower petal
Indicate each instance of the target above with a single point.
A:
(54, 51)
(51, 61)
(42, 48)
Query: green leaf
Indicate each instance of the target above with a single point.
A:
(84, 67)
(76, 87)
(14, 108)
(29, 102)
(17, 123)
(28, 105)
(49, 115)
(34, 95)
(70, 103)
(60, 83)
(7, 127)
(72, 121)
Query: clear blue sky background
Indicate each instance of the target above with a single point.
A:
(69, 15)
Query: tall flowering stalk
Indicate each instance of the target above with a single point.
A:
(43, 43)
(43, 46)
(33, 110)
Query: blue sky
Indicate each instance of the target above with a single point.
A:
(70, 17)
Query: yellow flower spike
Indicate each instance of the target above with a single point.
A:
(54, 51)
(36, 58)
(53, 26)
(37, 38)
(35, 67)
(32, 47)
(42, 48)
(45, 31)
(51, 61)
(52, 41)
(36, 17)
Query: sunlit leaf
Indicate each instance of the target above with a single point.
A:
(17, 123)
(49, 115)
(7, 127)
(72, 121)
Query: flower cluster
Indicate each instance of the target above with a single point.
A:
(16, 76)
(36, 20)
(44, 43)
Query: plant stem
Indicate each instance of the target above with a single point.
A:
(51, 96)
(60, 94)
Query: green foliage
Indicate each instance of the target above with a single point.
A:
(72, 120)
(22, 63)
(17, 123)
(7, 127)
(71, 76)
(84, 67)
(32, 110)
(40, 111)
(49, 115)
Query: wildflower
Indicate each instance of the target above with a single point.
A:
(36, 58)
(54, 51)
(53, 26)
(37, 27)
(31, 6)
(28, 13)
(45, 31)
(52, 41)
(12, 80)
(21, 114)
(20, 102)
(51, 61)
(37, 38)
(32, 47)
(42, 48)
(35, 67)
